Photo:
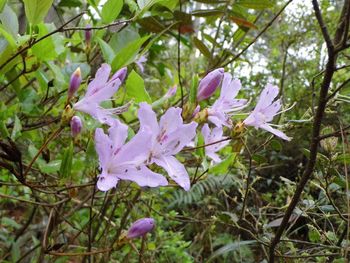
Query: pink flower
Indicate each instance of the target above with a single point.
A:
(209, 84)
(226, 104)
(101, 89)
(212, 136)
(169, 136)
(74, 83)
(120, 161)
(265, 110)
(141, 227)
(76, 125)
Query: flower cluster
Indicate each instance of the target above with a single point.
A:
(219, 114)
(157, 143)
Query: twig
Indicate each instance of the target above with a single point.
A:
(179, 61)
(52, 137)
(258, 35)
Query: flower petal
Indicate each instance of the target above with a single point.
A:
(171, 120)
(206, 131)
(143, 177)
(272, 110)
(136, 151)
(103, 147)
(267, 96)
(178, 139)
(107, 181)
(176, 170)
(106, 92)
(230, 87)
(276, 132)
(118, 134)
(148, 118)
(101, 78)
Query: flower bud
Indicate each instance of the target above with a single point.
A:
(74, 83)
(171, 92)
(88, 34)
(120, 74)
(196, 110)
(76, 125)
(329, 144)
(209, 84)
(141, 227)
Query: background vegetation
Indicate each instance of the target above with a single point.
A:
(268, 200)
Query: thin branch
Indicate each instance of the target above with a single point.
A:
(259, 34)
(322, 25)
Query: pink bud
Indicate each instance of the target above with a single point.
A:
(196, 110)
(141, 227)
(120, 74)
(209, 84)
(88, 34)
(74, 83)
(76, 125)
(171, 92)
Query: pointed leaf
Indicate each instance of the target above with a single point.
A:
(135, 88)
(67, 160)
(36, 10)
(127, 54)
(202, 47)
(111, 10)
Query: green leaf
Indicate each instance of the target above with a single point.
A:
(223, 167)
(3, 130)
(7, 221)
(193, 91)
(67, 160)
(255, 4)
(135, 88)
(144, 5)
(202, 47)
(230, 247)
(127, 54)
(208, 12)
(9, 21)
(107, 51)
(45, 49)
(17, 127)
(51, 167)
(2, 4)
(111, 10)
(36, 10)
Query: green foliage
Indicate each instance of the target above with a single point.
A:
(135, 88)
(111, 10)
(208, 186)
(36, 10)
(128, 53)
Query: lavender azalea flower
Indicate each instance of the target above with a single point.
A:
(169, 136)
(141, 227)
(120, 161)
(101, 89)
(265, 110)
(211, 137)
(219, 113)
